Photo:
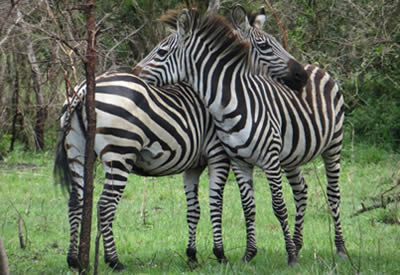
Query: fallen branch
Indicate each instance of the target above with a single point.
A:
(382, 204)
(384, 200)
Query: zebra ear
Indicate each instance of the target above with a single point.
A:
(183, 23)
(239, 19)
(260, 19)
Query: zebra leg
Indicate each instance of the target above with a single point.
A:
(274, 176)
(244, 177)
(332, 169)
(299, 189)
(191, 185)
(75, 150)
(116, 177)
(217, 177)
(75, 207)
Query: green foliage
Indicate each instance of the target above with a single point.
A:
(5, 141)
(375, 114)
(359, 44)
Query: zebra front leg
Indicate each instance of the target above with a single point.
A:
(332, 169)
(244, 177)
(107, 205)
(299, 189)
(274, 176)
(217, 177)
(191, 185)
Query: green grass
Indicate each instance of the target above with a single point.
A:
(158, 245)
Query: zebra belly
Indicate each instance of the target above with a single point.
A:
(156, 161)
(147, 160)
(304, 152)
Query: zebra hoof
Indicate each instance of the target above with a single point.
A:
(292, 260)
(191, 254)
(341, 252)
(73, 262)
(116, 265)
(249, 255)
(219, 253)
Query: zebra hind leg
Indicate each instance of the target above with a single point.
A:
(191, 186)
(73, 155)
(218, 175)
(107, 205)
(75, 206)
(332, 169)
(243, 173)
(274, 176)
(299, 189)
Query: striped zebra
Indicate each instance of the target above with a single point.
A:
(147, 131)
(319, 83)
(259, 121)
(267, 56)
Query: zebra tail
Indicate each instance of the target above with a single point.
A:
(61, 171)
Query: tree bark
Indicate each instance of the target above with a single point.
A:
(41, 109)
(90, 68)
(3, 260)
(15, 102)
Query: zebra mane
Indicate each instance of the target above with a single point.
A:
(210, 25)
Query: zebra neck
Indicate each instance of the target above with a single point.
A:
(214, 79)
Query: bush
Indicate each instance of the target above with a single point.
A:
(376, 115)
(5, 141)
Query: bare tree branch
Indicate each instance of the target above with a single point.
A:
(119, 43)
(282, 27)
(10, 29)
(213, 6)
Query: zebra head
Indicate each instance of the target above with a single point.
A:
(267, 55)
(172, 60)
(166, 52)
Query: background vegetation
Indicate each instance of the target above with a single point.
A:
(155, 243)
(41, 44)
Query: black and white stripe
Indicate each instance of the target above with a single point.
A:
(147, 131)
(264, 50)
(260, 122)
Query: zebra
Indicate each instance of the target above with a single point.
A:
(263, 47)
(259, 121)
(147, 131)
(267, 55)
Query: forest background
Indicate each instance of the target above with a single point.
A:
(42, 41)
(43, 44)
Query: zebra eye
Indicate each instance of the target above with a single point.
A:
(162, 52)
(264, 46)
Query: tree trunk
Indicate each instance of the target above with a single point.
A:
(15, 102)
(90, 67)
(3, 260)
(41, 109)
(3, 66)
